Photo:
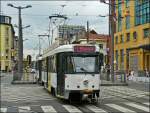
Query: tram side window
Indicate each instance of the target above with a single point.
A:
(52, 65)
(42, 65)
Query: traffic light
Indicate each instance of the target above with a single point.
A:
(29, 58)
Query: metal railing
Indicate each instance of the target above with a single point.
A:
(119, 76)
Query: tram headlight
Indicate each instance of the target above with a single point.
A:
(78, 86)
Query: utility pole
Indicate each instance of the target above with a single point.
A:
(52, 36)
(54, 16)
(39, 46)
(112, 38)
(87, 32)
(20, 40)
(111, 31)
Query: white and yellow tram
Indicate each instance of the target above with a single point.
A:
(72, 71)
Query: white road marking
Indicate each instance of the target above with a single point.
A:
(72, 109)
(3, 110)
(48, 109)
(120, 108)
(138, 106)
(147, 103)
(95, 109)
(24, 109)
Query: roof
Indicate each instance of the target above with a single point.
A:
(97, 36)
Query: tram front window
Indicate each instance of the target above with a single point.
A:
(77, 64)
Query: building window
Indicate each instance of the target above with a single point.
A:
(7, 32)
(146, 32)
(116, 41)
(128, 37)
(121, 39)
(121, 55)
(127, 22)
(142, 12)
(101, 46)
(116, 53)
(135, 35)
(127, 58)
(119, 15)
(7, 51)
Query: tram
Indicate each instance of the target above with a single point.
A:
(72, 72)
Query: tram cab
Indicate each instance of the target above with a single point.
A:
(72, 72)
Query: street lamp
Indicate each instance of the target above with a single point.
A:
(20, 40)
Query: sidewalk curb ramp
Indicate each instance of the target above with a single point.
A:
(23, 82)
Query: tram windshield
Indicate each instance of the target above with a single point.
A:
(82, 64)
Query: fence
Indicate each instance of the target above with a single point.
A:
(119, 76)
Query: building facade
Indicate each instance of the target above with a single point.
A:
(6, 43)
(69, 30)
(132, 37)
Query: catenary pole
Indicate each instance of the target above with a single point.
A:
(20, 40)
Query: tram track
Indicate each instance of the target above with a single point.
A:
(124, 96)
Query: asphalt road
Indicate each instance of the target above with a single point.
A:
(34, 98)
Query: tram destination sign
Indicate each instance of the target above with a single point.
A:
(85, 49)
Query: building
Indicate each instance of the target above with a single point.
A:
(6, 43)
(132, 37)
(68, 31)
(102, 40)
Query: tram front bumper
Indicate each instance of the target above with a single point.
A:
(85, 91)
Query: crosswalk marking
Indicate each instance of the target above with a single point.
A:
(120, 108)
(24, 109)
(138, 106)
(48, 109)
(72, 109)
(3, 110)
(147, 103)
(95, 109)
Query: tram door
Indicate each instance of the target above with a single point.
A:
(60, 74)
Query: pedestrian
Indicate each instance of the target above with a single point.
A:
(128, 75)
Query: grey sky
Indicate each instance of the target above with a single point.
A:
(37, 17)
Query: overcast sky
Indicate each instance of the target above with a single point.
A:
(38, 18)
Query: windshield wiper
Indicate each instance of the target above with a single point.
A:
(82, 69)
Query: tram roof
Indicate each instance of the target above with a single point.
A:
(66, 48)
